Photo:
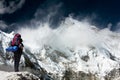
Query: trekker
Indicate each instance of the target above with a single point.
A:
(17, 56)
(17, 41)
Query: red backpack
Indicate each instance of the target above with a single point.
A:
(16, 40)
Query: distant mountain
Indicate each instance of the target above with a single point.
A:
(81, 53)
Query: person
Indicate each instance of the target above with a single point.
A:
(17, 56)
(17, 41)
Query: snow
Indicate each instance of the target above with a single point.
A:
(4, 75)
(17, 76)
(59, 49)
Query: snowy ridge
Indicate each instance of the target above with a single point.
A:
(75, 45)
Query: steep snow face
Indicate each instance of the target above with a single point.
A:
(5, 40)
(75, 44)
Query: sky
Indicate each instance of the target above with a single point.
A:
(102, 13)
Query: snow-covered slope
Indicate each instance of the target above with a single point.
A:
(74, 45)
(17, 76)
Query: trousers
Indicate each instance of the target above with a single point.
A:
(17, 56)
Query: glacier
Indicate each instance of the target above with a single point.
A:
(75, 46)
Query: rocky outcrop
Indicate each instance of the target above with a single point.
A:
(72, 75)
(113, 75)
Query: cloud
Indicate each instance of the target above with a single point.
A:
(10, 6)
(117, 27)
(50, 11)
(70, 34)
(3, 25)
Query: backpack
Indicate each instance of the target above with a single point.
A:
(16, 40)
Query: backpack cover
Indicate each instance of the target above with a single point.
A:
(16, 40)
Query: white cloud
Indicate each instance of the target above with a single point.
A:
(3, 25)
(117, 27)
(10, 6)
(70, 33)
(109, 25)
